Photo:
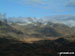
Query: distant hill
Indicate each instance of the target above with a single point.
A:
(34, 27)
(64, 19)
(47, 30)
(63, 29)
(7, 30)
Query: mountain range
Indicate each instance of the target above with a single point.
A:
(64, 19)
(35, 37)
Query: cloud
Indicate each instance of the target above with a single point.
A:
(30, 2)
(70, 3)
(47, 4)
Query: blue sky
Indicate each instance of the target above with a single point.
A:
(37, 8)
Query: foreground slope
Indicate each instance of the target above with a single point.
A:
(12, 47)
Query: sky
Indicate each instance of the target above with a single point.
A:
(37, 8)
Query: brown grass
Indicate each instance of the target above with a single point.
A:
(33, 39)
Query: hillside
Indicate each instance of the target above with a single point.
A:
(48, 30)
(63, 29)
(36, 29)
(12, 47)
(7, 30)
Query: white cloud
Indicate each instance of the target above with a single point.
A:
(35, 3)
(70, 3)
(47, 4)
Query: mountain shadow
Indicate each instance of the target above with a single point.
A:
(13, 47)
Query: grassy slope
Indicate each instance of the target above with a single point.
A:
(7, 30)
(46, 30)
